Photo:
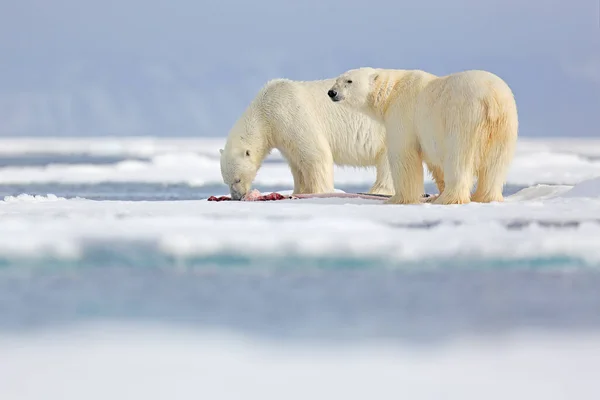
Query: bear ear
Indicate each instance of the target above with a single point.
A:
(247, 153)
(220, 151)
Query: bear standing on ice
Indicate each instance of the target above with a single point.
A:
(312, 134)
(461, 125)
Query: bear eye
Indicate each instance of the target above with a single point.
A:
(238, 180)
(349, 81)
(247, 152)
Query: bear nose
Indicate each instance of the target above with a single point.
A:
(332, 93)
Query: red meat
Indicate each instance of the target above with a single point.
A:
(267, 197)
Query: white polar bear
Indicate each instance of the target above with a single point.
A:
(312, 134)
(461, 125)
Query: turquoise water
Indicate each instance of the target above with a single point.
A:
(305, 299)
(138, 255)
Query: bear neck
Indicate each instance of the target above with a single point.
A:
(251, 134)
(386, 89)
(259, 145)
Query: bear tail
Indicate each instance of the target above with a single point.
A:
(492, 110)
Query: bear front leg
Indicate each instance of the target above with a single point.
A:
(317, 171)
(298, 180)
(383, 182)
(406, 165)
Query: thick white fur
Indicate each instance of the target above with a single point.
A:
(312, 134)
(463, 125)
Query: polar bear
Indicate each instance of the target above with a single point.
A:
(460, 125)
(312, 134)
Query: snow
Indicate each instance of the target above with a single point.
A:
(150, 362)
(196, 162)
(557, 215)
(317, 227)
(589, 188)
(107, 146)
(553, 219)
(26, 198)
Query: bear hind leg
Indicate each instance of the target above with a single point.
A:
(457, 190)
(489, 186)
(492, 175)
(493, 171)
(458, 174)
(438, 178)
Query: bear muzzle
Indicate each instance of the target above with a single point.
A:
(236, 194)
(333, 95)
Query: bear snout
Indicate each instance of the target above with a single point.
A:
(332, 94)
(236, 195)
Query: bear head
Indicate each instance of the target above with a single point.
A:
(238, 169)
(354, 87)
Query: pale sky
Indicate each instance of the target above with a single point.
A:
(188, 67)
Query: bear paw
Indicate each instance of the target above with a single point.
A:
(430, 199)
(401, 200)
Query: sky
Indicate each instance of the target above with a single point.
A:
(190, 67)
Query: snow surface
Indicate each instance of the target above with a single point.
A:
(319, 227)
(556, 216)
(149, 362)
(196, 162)
(553, 220)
